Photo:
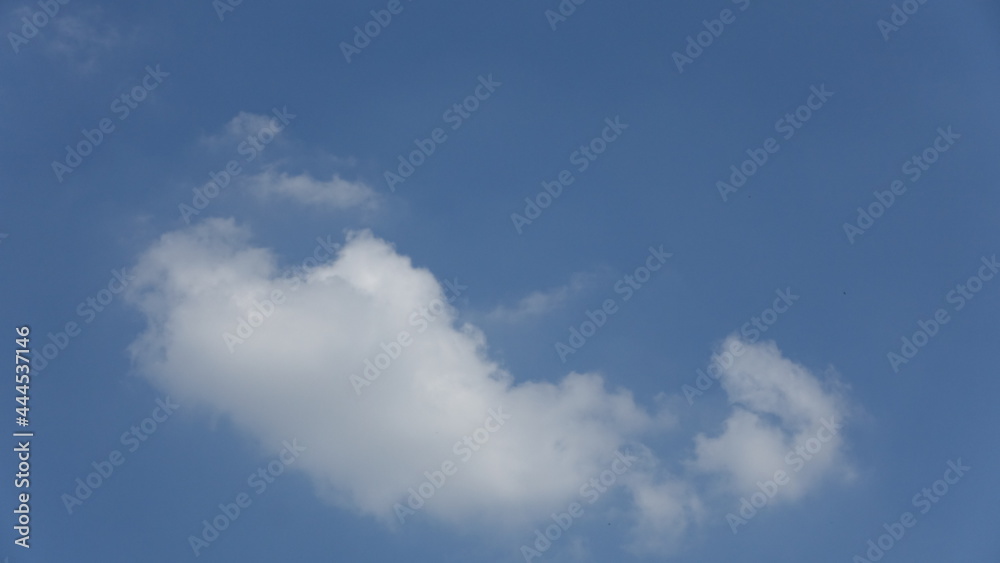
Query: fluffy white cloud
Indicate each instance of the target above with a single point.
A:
(292, 378)
(662, 512)
(779, 407)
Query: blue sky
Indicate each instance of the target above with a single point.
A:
(471, 308)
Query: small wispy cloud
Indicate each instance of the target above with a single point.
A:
(83, 40)
(264, 146)
(80, 35)
(336, 192)
(541, 302)
(244, 125)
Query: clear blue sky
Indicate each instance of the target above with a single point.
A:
(178, 91)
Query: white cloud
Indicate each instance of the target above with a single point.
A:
(662, 512)
(291, 379)
(779, 406)
(336, 192)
